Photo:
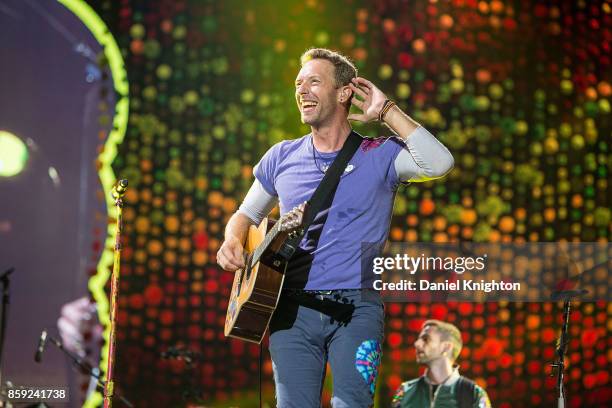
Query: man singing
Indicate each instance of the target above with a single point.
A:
(437, 347)
(327, 312)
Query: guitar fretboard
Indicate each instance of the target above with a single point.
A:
(265, 243)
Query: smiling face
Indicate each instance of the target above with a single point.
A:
(430, 346)
(316, 93)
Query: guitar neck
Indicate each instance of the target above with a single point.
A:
(265, 243)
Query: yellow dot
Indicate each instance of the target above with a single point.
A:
(385, 71)
(403, 90)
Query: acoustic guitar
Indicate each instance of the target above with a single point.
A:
(257, 287)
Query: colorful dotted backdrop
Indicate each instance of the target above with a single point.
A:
(520, 93)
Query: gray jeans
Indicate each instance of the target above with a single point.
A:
(310, 329)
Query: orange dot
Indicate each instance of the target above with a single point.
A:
(142, 225)
(413, 220)
(200, 258)
(155, 247)
(215, 198)
(201, 183)
(494, 236)
(591, 93)
(440, 237)
(576, 201)
(483, 76)
(246, 172)
(604, 88)
(497, 6)
(506, 224)
(229, 205)
(137, 46)
(453, 230)
(427, 206)
(520, 213)
(185, 244)
(199, 225)
(411, 235)
(172, 223)
(360, 54)
(467, 232)
(166, 26)
(469, 216)
(549, 214)
(146, 195)
(519, 358)
(388, 25)
(396, 234)
(419, 46)
(446, 21)
(533, 322)
(439, 223)
(131, 196)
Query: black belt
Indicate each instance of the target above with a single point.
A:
(300, 292)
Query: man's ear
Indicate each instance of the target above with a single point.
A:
(448, 348)
(345, 94)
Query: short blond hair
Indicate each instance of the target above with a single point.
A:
(344, 69)
(448, 332)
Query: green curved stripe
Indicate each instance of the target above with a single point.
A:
(107, 177)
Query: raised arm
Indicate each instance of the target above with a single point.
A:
(424, 158)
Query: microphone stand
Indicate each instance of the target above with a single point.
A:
(117, 193)
(559, 364)
(561, 349)
(86, 368)
(4, 278)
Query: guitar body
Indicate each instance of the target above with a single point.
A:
(256, 288)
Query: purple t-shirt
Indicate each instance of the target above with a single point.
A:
(330, 253)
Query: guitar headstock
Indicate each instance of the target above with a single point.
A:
(293, 219)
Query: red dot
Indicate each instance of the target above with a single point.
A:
(416, 324)
(589, 338)
(153, 295)
(394, 340)
(602, 377)
(533, 367)
(438, 312)
(590, 380)
(195, 300)
(136, 301)
(194, 331)
(212, 286)
(166, 317)
(465, 309)
(200, 240)
(505, 361)
(548, 335)
(493, 347)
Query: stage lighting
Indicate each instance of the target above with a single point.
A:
(13, 154)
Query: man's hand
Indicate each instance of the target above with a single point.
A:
(372, 101)
(231, 255)
(78, 326)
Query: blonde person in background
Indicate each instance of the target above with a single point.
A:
(438, 346)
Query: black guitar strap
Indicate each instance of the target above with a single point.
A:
(327, 186)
